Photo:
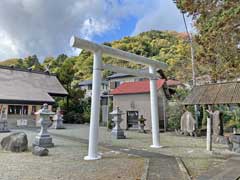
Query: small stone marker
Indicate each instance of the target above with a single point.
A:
(58, 120)
(234, 143)
(187, 123)
(117, 132)
(43, 139)
(39, 151)
(3, 120)
(16, 142)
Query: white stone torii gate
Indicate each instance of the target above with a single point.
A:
(98, 50)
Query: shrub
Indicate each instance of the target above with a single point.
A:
(175, 109)
(174, 112)
(73, 118)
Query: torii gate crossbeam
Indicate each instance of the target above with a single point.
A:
(98, 50)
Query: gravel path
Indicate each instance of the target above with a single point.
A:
(65, 162)
(159, 166)
(66, 159)
(190, 150)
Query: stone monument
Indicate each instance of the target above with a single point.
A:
(58, 120)
(187, 123)
(3, 120)
(43, 139)
(117, 132)
(217, 127)
(234, 143)
(217, 124)
(15, 142)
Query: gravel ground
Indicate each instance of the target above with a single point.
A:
(65, 162)
(190, 150)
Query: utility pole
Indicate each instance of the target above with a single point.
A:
(193, 65)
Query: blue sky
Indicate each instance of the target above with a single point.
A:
(44, 27)
(126, 28)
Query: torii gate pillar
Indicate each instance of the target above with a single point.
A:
(154, 109)
(95, 108)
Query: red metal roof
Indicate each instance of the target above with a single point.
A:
(136, 87)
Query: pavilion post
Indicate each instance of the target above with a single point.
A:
(95, 108)
(209, 129)
(154, 109)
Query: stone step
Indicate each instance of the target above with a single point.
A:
(166, 168)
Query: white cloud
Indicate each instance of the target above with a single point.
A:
(163, 15)
(7, 45)
(44, 27)
(91, 27)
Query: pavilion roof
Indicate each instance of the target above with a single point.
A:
(23, 87)
(213, 94)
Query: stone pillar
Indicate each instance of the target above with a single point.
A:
(104, 104)
(3, 119)
(209, 134)
(104, 115)
(117, 132)
(209, 128)
(29, 110)
(43, 139)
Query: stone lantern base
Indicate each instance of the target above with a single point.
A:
(236, 142)
(118, 134)
(57, 125)
(43, 141)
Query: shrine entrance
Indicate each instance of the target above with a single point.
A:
(98, 51)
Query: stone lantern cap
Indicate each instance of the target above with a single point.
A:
(117, 111)
(45, 110)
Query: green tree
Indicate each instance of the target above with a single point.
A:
(218, 35)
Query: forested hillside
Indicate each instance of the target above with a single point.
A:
(9, 62)
(167, 46)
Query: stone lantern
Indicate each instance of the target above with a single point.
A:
(43, 139)
(142, 124)
(58, 120)
(117, 132)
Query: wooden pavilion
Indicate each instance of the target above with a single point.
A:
(213, 94)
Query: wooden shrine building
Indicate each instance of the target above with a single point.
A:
(23, 92)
